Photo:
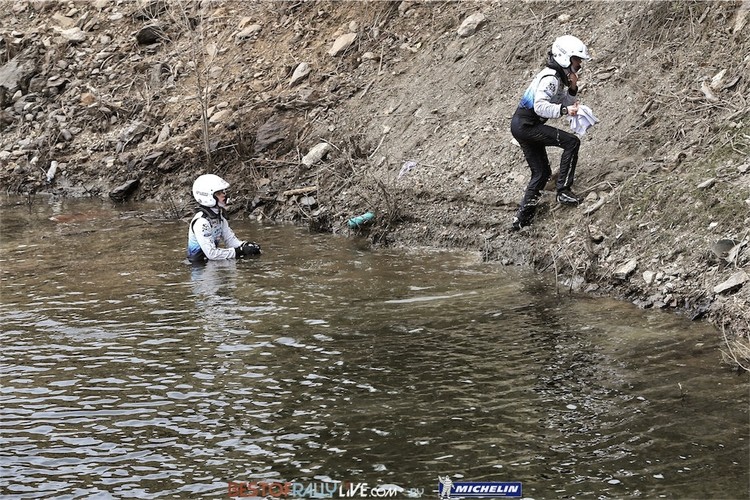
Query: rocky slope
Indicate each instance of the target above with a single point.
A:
(316, 111)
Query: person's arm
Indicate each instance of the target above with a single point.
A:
(547, 89)
(230, 240)
(202, 230)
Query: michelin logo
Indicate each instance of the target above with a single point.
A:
(448, 490)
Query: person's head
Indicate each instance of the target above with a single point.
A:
(569, 52)
(209, 190)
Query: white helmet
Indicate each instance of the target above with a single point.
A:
(568, 46)
(204, 188)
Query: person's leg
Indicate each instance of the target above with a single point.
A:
(570, 144)
(568, 161)
(532, 142)
(536, 157)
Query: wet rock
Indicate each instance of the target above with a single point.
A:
(124, 191)
(471, 24)
(341, 44)
(733, 283)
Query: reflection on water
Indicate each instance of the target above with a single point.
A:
(126, 373)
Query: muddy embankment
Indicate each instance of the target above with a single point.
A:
(318, 111)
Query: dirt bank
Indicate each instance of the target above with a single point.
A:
(410, 104)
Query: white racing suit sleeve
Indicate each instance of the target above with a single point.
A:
(230, 240)
(548, 94)
(205, 236)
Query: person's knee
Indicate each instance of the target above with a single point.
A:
(572, 143)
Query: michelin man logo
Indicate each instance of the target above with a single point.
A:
(447, 483)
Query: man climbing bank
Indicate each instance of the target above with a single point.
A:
(209, 228)
(551, 94)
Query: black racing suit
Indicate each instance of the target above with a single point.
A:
(544, 99)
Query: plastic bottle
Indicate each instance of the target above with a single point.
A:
(355, 222)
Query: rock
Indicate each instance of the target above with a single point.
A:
(73, 35)
(132, 134)
(626, 269)
(164, 134)
(273, 131)
(649, 277)
(251, 30)
(316, 154)
(52, 171)
(16, 71)
(123, 191)
(717, 80)
(307, 201)
(707, 183)
(734, 282)
(149, 34)
(723, 248)
(220, 116)
(471, 24)
(87, 99)
(341, 44)
(300, 73)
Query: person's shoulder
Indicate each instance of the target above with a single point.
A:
(200, 218)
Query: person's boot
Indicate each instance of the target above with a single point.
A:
(567, 197)
(523, 217)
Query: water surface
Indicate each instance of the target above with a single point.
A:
(125, 373)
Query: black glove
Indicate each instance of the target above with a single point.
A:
(247, 249)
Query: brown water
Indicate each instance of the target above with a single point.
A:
(125, 373)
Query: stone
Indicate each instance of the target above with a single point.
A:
(649, 277)
(316, 154)
(271, 132)
(341, 44)
(733, 283)
(149, 35)
(251, 30)
(124, 191)
(164, 134)
(307, 201)
(73, 35)
(626, 269)
(471, 24)
(15, 71)
(220, 116)
(707, 183)
(300, 73)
